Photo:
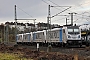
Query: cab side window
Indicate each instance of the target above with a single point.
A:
(63, 30)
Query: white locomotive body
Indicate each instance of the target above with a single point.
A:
(72, 35)
(56, 36)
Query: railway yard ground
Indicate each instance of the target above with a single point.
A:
(25, 52)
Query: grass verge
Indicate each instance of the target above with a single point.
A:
(11, 56)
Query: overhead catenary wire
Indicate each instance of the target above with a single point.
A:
(78, 5)
(59, 6)
(64, 8)
(76, 20)
(69, 10)
(84, 18)
(60, 12)
(58, 9)
(45, 2)
(60, 19)
(56, 5)
(49, 4)
(25, 12)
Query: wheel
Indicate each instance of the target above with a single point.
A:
(80, 45)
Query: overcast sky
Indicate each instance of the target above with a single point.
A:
(38, 9)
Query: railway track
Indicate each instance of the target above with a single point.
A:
(82, 51)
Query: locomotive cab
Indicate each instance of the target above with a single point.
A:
(72, 35)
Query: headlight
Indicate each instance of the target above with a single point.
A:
(69, 36)
(79, 36)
